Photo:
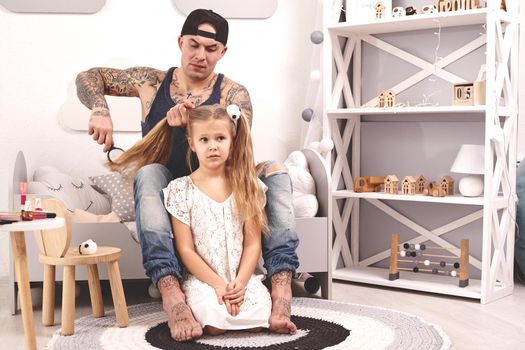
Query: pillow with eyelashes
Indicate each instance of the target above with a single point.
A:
(76, 193)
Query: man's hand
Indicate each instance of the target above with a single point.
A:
(101, 127)
(178, 116)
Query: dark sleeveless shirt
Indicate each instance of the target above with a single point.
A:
(161, 105)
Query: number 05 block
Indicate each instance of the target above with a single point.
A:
(469, 94)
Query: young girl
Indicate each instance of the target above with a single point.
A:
(217, 217)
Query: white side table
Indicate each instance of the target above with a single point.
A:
(18, 245)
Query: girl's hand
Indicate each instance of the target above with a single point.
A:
(221, 291)
(235, 292)
(178, 116)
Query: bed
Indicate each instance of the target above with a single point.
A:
(312, 231)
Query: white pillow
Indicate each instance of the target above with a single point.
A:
(76, 193)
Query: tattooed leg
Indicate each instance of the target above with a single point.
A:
(181, 322)
(282, 303)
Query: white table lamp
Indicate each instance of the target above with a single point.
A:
(470, 160)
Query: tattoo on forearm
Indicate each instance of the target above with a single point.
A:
(282, 278)
(168, 282)
(101, 113)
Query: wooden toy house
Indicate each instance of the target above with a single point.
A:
(447, 185)
(379, 10)
(421, 183)
(408, 185)
(391, 184)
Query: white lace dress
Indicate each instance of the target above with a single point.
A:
(218, 239)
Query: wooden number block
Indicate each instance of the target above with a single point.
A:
(469, 94)
(464, 94)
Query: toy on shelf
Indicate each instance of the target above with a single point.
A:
(387, 98)
(421, 183)
(447, 185)
(391, 184)
(420, 259)
(429, 9)
(470, 93)
(408, 185)
(398, 11)
(379, 10)
(368, 183)
(434, 190)
(410, 10)
(456, 5)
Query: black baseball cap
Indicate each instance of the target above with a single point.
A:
(200, 16)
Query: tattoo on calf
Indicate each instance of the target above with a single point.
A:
(168, 282)
(282, 278)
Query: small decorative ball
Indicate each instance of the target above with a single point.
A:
(307, 114)
(315, 75)
(435, 271)
(442, 264)
(453, 273)
(456, 265)
(406, 245)
(412, 246)
(326, 145)
(417, 246)
(423, 247)
(233, 111)
(413, 254)
(427, 262)
(403, 253)
(87, 247)
(416, 269)
(317, 37)
(153, 291)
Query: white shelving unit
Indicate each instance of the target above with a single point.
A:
(496, 208)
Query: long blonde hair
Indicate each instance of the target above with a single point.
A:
(156, 146)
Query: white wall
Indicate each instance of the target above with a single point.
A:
(40, 55)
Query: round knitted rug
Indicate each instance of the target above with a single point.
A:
(321, 324)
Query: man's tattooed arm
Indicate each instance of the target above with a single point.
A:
(93, 84)
(239, 95)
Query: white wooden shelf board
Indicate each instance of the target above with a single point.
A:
(344, 112)
(424, 282)
(415, 22)
(456, 199)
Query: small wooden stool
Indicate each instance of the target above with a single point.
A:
(55, 251)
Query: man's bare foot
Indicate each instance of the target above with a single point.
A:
(282, 303)
(182, 324)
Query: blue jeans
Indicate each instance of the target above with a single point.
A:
(159, 256)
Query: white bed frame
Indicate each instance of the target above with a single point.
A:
(312, 251)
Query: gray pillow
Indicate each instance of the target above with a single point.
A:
(120, 189)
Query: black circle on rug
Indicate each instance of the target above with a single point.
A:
(321, 334)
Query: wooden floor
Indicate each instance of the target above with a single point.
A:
(470, 325)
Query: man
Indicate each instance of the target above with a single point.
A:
(169, 94)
